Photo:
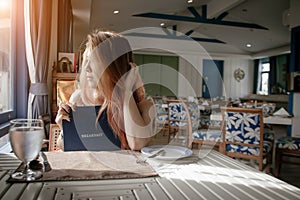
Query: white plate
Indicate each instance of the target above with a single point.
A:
(170, 152)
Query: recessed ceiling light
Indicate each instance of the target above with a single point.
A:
(190, 1)
(248, 45)
(116, 12)
(162, 24)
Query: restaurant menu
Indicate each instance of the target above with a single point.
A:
(84, 132)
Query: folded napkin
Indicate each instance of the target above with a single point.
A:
(205, 103)
(281, 112)
(87, 165)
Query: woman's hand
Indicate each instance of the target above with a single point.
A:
(63, 113)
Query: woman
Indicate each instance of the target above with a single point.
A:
(109, 78)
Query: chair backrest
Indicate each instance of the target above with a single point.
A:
(179, 119)
(242, 130)
(178, 113)
(161, 111)
(53, 136)
(194, 113)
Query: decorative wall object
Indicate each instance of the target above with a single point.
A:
(239, 74)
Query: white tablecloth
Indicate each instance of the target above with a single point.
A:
(267, 120)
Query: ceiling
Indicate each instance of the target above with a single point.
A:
(91, 14)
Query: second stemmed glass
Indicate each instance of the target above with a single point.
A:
(26, 138)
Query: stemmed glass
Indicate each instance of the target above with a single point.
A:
(26, 138)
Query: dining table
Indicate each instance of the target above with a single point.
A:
(203, 174)
(270, 119)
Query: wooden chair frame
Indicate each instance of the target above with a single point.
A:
(260, 158)
(161, 125)
(280, 153)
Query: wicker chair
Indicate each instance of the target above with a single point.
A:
(53, 136)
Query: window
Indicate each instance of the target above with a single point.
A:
(6, 67)
(264, 74)
(272, 73)
(13, 67)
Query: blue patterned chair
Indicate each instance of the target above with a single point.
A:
(194, 114)
(180, 125)
(209, 131)
(242, 133)
(208, 136)
(161, 122)
(286, 146)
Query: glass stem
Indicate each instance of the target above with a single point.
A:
(26, 169)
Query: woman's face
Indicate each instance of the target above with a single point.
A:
(90, 75)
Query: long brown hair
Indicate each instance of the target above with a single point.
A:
(113, 52)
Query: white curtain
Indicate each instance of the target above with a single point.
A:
(38, 16)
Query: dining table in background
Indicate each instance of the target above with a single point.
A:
(271, 119)
(207, 174)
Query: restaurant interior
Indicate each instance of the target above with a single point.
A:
(211, 61)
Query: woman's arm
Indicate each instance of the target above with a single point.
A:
(64, 108)
(63, 114)
(138, 117)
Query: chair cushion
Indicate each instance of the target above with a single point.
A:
(286, 142)
(242, 127)
(204, 121)
(177, 112)
(269, 134)
(249, 150)
(268, 146)
(177, 124)
(162, 118)
(208, 134)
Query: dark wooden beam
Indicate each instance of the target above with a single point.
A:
(201, 19)
(189, 32)
(195, 13)
(220, 17)
(172, 36)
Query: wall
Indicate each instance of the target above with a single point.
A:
(81, 21)
(232, 88)
(191, 54)
(188, 67)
